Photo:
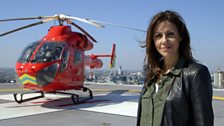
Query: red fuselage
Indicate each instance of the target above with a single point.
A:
(56, 62)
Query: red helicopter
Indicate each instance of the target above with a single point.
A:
(56, 62)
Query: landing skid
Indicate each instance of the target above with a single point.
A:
(85, 89)
(74, 97)
(21, 100)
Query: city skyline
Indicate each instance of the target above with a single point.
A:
(204, 21)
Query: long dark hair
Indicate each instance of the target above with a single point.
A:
(152, 57)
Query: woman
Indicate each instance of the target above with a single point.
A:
(177, 90)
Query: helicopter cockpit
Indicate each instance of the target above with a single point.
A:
(48, 52)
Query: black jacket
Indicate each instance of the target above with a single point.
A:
(189, 102)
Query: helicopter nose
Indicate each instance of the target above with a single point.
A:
(46, 75)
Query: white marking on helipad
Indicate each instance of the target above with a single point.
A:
(112, 104)
(13, 110)
(124, 108)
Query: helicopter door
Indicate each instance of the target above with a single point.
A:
(78, 66)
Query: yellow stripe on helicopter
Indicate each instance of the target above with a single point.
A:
(25, 78)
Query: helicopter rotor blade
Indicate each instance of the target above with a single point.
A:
(26, 26)
(81, 29)
(15, 19)
(118, 25)
(29, 18)
(96, 24)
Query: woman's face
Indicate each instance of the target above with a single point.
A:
(167, 39)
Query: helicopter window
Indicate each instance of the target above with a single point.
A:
(27, 52)
(48, 52)
(77, 57)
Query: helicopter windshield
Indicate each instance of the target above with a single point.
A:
(27, 52)
(48, 52)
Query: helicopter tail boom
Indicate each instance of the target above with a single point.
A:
(93, 62)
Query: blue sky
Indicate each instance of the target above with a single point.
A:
(204, 19)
